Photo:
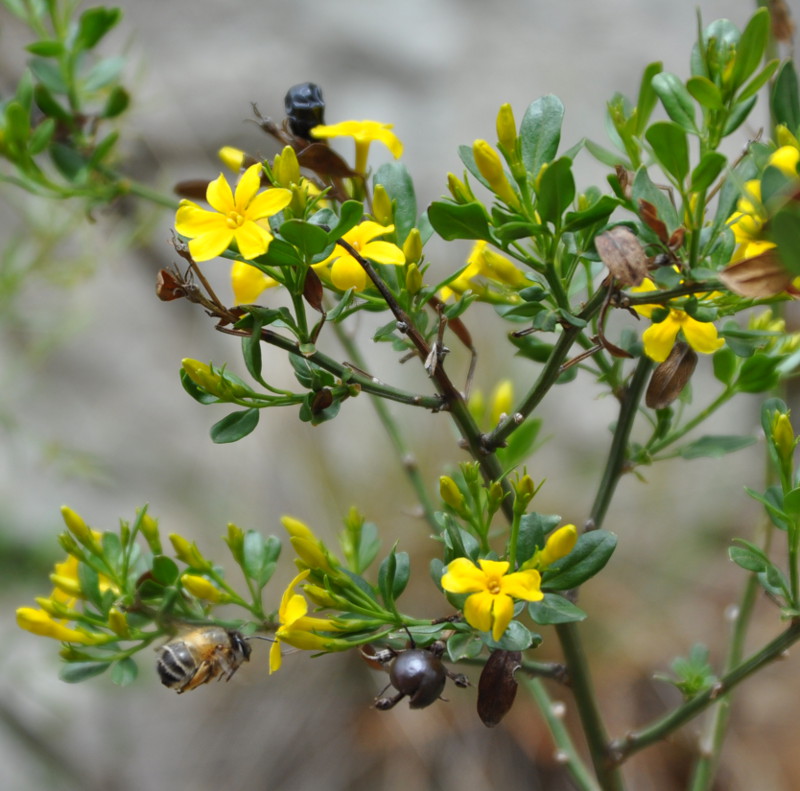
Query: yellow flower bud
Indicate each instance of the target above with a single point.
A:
(785, 159)
(524, 491)
(320, 596)
(39, 622)
(450, 493)
(414, 280)
(559, 544)
(382, 205)
(188, 552)
(149, 527)
(488, 163)
(55, 608)
(232, 158)
(506, 129)
(80, 530)
(502, 400)
(412, 247)
(476, 404)
(785, 138)
(783, 436)
(297, 529)
(235, 541)
(201, 587)
(68, 585)
(213, 381)
(459, 190)
(286, 168)
(118, 623)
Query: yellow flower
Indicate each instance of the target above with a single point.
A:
(345, 271)
(363, 132)
(39, 622)
(296, 628)
(491, 605)
(248, 283)
(484, 262)
(235, 217)
(659, 338)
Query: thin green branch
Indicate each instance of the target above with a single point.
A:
(638, 740)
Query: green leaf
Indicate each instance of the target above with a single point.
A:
(758, 374)
(791, 502)
(724, 365)
(646, 102)
(75, 672)
(751, 47)
(644, 189)
(459, 221)
(553, 609)
(705, 92)
(540, 132)
(676, 100)
(738, 115)
(48, 105)
(71, 164)
(104, 73)
(759, 81)
(707, 171)
(350, 215)
(715, 446)
(397, 182)
(117, 102)
(520, 444)
(41, 137)
(165, 570)
(124, 672)
(93, 24)
(369, 543)
(784, 230)
(516, 638)
(556, 191)
(785, 98)
(46, 49)
(260, 556)
(234, 426)
(393, 576)
(589, 556)
(464, 645)
(17, 123)
(49, 74)
(306, 237)
(598, 212)
(670, 147)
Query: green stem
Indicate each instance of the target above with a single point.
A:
(638, 740)
(131, 187)
(615, 464)
(566, 749)
(608, 774)
(547, 377)
(407, 459)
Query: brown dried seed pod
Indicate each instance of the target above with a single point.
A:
(669, 378)
(623, 254)
(757, 277)
(497, 687)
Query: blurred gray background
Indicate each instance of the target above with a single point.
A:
(92, 415)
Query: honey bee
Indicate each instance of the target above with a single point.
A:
(196, 657)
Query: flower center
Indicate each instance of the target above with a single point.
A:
(234, 219)
(493, 585)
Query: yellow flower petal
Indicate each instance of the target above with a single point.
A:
(785, 159)
(210, 245)
(296, 607)
(252, 240)
(246, 189)
(523, 585)
(702, 336)
(248, 283)
(659, 338)
(502, 613)
(463, 576)
(346, 273)
(275, 657)
(269, 202)
(494, 568)
(478, 611)
(219, 195)
(384, 253)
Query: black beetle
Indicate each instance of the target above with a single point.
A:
(305, 108)
(416, 673)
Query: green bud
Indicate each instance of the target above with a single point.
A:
(235, 541)
(80, 530)
(783, 437)
(149, 529)
(286, 168)
(459, 190)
